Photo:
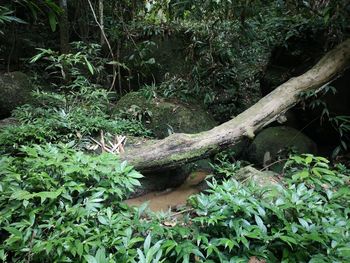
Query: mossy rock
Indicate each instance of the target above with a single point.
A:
(169, 54)
(276, 142)
(168, 116)
(7, 122)
(15, 89)
(249, 174)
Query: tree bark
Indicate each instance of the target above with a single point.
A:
(180, 148)
(64, 28)
(100, 10)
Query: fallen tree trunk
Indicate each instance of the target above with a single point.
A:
(182, 148)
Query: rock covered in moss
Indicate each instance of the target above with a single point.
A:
(276, 142)
(15, 90)
(167, 116)
(262, 179)
(7, 122)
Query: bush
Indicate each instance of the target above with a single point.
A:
(66, 117)
(305, 221)
(58, 204)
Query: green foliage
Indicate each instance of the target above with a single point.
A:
(81, 64)
(66, 117)
(313, 171)
(228, 44)
(58, 204)
(305, 221)
(135, 113)
(62, 205)
(223, 166)
(141, 60)
(340, 123)
(80, 109)
(48, 7)
(7, 16)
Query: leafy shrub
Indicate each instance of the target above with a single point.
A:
(305, 220)
(82, 63)
(58, 204)
(65, 117)
(301, 222)
(340, 123)
(6, 16)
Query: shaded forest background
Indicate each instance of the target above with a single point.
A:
(81, 81)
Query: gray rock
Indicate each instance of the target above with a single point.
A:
(259, 178)
(168, 116)
(275, 143)
(15, 89)
(7, 122)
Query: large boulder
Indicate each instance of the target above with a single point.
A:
(15, 89)
(166, 116)
(276, 142)
(169, 53)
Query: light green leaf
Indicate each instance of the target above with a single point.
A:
(48, 195)
(13, 231)
(90, 259)
(260, 223)
(52, 21)
(304, 223)
(102, 220)
(90, 67)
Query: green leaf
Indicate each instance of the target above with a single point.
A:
(147, 243)
(260, 223)
(102, 220)
(301, 175)
(48, 195)
(90, 67)
(142, 258)
(289, 240)
(344, 252)
(79, 246)
(151, 61)
(13, 231)
(21, 195)
(308, 159)
(3, 255)
(90, 259)
(304, 223)
(52, 20)
(101, 255)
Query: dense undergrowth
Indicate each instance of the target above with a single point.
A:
(59, 203)
(62, 205)
(224, 58)
(55, 117)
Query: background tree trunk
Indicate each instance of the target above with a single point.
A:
(100, 10)
(181, 148)
(64, 28)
